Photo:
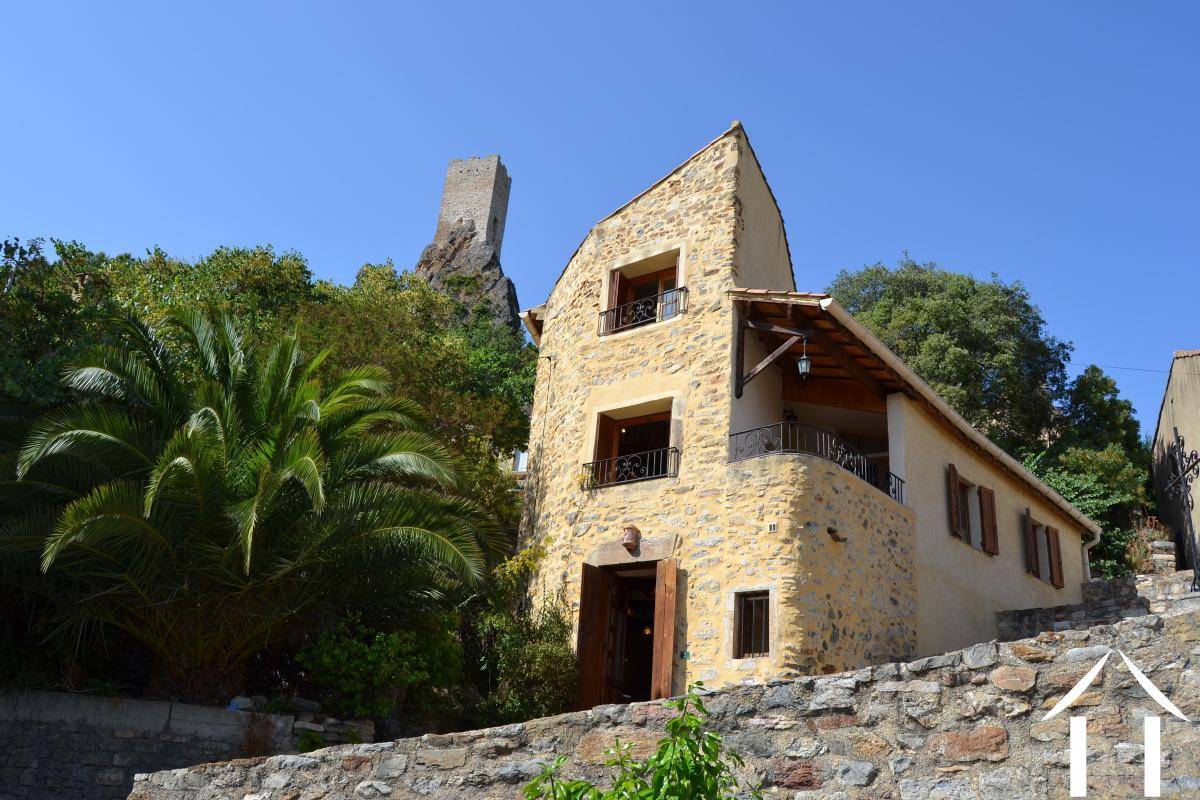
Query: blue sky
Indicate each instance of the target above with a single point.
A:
(1054, 143)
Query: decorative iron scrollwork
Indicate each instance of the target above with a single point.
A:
(795, 437)
(631, 467)
(670, 303)
(1184, 468)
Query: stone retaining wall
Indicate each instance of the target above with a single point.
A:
(1106, 602)
(59, 746)
(962, 726)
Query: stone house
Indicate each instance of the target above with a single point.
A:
(1179, 416)
(735, 481)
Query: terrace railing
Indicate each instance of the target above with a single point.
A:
(662, 463)
(670, 303)
(796, 437)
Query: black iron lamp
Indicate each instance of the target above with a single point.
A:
(804, 363)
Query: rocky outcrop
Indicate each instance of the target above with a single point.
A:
(966, 725)
(465, 266)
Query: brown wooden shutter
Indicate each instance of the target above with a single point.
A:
(952, 489)
(606, 437)
(616, 282)
(662, 669)
(1031, 549)
(1052, 547)
(987, 517)
(593, 623)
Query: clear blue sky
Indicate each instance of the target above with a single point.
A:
(1055, 143)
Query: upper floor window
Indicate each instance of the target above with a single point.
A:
(632, 445)
(643, 293)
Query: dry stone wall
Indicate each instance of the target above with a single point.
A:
(965, 725)
(1106, 602)
(59, 746)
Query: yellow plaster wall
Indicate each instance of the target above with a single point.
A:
(959, 588)
(763, 261)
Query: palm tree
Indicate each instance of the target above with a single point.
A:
(210, 501)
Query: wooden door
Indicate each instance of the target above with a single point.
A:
(594, 594)
(614, 642)
(663, 664)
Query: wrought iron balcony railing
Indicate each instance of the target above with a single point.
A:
(670, 303)
(796, 437)
(663, 463)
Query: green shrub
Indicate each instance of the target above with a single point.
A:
(691, 763)
(309, 741)
(525, 652)
(363, 672)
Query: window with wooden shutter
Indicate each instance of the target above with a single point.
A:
(955, 501)
(987, 514)
(1052, 545)
(1031, 546)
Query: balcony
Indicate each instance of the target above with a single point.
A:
(644, 311)
(796, 437)
(631, 468)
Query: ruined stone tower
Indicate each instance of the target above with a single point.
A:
(464, 258)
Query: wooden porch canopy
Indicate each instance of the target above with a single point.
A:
(789, 324)
(849, 361)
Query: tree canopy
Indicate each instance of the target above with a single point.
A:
(984, 346)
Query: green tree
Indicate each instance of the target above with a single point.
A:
(1094, 416)
(1107, 487)
(982, 345)
(527, 666)
(49, 311)
(208, 517)
(476, 377)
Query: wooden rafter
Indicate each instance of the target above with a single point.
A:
(794, 336)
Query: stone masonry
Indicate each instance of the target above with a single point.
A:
(1106, 602)
(464, 258)
(965, 725)
(835, 553)
(59, 746)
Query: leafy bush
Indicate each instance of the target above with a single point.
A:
(525, 652)
(363, 672)
(1106, 486)
(691, 763)
(309, 741)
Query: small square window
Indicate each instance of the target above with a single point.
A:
(752, 625)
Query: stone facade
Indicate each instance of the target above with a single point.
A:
(1179, 415)
(464, 258)
(966, 725)
(834, 552)
(60, 746)
(855, 577)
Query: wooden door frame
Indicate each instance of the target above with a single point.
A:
(595, 600)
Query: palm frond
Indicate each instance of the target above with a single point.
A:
(120, 440)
